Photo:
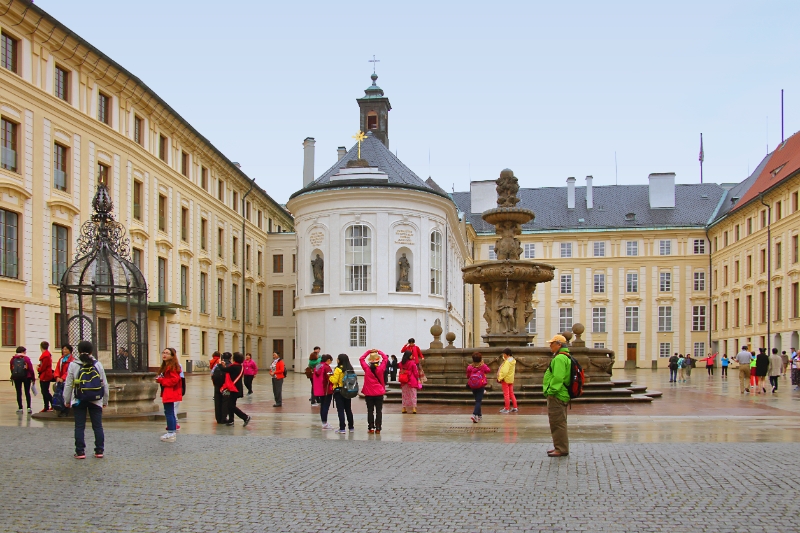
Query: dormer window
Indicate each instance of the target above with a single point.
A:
(372, 120)
(630, 217)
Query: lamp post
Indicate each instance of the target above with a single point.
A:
(245, 264)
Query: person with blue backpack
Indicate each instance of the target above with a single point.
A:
(86, 390)
(555, 385)
(341, 381)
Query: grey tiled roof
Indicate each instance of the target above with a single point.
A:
(695, 204)
(739, 189)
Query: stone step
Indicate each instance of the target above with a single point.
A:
(637, 398)
(537, 394)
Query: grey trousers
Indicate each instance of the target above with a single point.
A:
(557, 415)
(277, 390)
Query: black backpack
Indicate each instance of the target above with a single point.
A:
(218, 375)
(19, 369)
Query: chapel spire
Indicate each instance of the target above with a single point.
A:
(374, 110)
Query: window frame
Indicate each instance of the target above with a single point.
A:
(104, 108)
(60, 164)
(9, 51)
(599, 283)
(9, 142)
(59, 252)
(358, 274)
(699, 321)
(61, 77)
(665, 247)
(599, 315)
(566, 317)
(665, 281)
(9, 243)
(632, 319)
(631, 248)
(665, 318)
(436, 257)
(565, 284)
(277, 302)
(566, 250)
(529, 250)
(632, 282)
(358, 332)
(599, 249)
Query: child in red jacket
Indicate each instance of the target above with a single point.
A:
(46, 375)
(169, 377)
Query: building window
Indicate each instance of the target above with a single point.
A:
(104, 108)
(203, 343)
(162, 279)
(698, 318)
(665, 281)
(664, 349)
(778, 304)
(277, 346)
(221, 192)
(749, 311)
(632, 282)
(247, 295)
(162, 212)
(699, 281)
(749, 263)
(599, 283)
(163, 148)
(749, 225)
(492, 255)
(566, 249)
(699, 349)
(665, 318)
(60, 252)
(665, 247)
(632, 248)
(699, 246)
(763, 218)
(599, 345)
(736, 233)
(294, 263)
(736, 313)
(204, 179)
(715, 315)
(277, 303)
(220, 302)
(247, 257)
(358, 258)
(247, 210)
(9, 52)
(631, 319)
(566, 283)
(220, 242)
(599, 249)
(102, 176)
(203, 292)
(565, 319)
(598, 319)
(184, 224)
(137, 200)
(185, 164)
(736, 271)
(724, 239)
(358, 332)
(60, 167)
(259, 259)
(763, 260)
(9, 319)
(530, 328)
(203, 234)
(795, 295)
(763, 298)
(260, 218)
(794, 248)
(9, 260)
(184, 341)
(234, 249)
(138, 130)
(8, 145)
(778, 255)
(103, 327)
(184, 285)
(137, 258)
(269, 226)
(235, 201)
(234, 301)
(436, 263)
(277, 263)
(530, 250)
(258, 308)
(778, 210)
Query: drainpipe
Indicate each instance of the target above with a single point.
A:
(710, 293)
(769, 273)
(244, 265)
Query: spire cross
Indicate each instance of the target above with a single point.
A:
(359, 137)
(374, 61)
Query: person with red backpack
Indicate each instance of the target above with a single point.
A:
(23, 377)
(476, 381)
(555, 389)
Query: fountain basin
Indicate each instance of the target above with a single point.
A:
(518, 215)
(511, 270)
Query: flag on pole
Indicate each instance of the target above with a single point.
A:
(702, 154)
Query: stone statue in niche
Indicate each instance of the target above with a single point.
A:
(318, 270)
(403, 268)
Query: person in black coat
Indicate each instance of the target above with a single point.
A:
(762, 367)
(391, 368)
(218, 378)
(236, 372)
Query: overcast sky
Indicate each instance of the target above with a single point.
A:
(548, 89)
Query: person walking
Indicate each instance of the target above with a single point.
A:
(233, 384)
(409, 381)
(554, 387)
(688, 364)
(278, 372)
(392, 366)
(723, 363)
(785, 360)
(743, 358)
(250, 371)
(681, 369)
(217, 380)
(343, 405)
(169, 377)
(374, 364)
(762, 368)
(505, 376)
(23, 377)
(775, 369)
(46, 376)
(62, 367)
(673, 368)
(80, 373)
(322, 388)
(314, 359)
(795, 373)
(476, 381)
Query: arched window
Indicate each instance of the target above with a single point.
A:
(358, 331)
(436, 263)
(358, 258)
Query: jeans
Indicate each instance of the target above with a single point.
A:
(277, 390)
(710, 370)
(724, 371)
(325, 404)
(46, 396)
(169, 414)
(374, 412)
(478, 394)
(773, 380)
(248, 382)
(96, 416)
(18, 383)
(343, 407)
(673, 374)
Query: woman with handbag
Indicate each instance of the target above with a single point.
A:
(409, 381)
(169, 377)
(233, 388)
(374, 364)
(322, 388)
(476, 381)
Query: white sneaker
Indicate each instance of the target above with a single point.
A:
(168, 437)
(20, 410)
(314, 405)
(504, 411)
(474, 419)
(327, 426)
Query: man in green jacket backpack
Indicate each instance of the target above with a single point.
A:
(554, 387)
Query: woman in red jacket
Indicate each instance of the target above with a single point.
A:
(169, 377)
(46, 376)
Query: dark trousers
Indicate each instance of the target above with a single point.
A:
(96, 415)
(277, 390)
(313, 399)
(393, 375)
(18, 383)
(344, 408)
(724, 371)
(773, 380)
(478, 394)
(374, 411)
(248, 382)
(325, 405)
(46, 396)
(220, 407)
(673, 374)
(233, 410)
(710, 370)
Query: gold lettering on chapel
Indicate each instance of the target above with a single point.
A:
(404, 236)
(316, 238)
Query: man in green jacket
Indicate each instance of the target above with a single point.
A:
(554, 387)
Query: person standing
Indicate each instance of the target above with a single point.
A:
(554, 387)
(278, 372)
(743, 358)
(709, 359)
(762, 368)
(322, 388)
(250, 371)
(169, 377)
(46, 376)
(775, 369)
(681, 369)
(217, 380)
(476, 381)
(374, 364)
(23, 377)
(343, 405)
(785, 361)
(314, 360)
(505, 376)
(417, 356)
(688, 364)
(235, 373)
(723, 363)
(409, 381)
(795, 374)
(77, 372)
(215, 359)
(62, 366)
(392, 366)
(673, 368)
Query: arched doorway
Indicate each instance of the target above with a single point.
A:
(776, 342)
(795, 340)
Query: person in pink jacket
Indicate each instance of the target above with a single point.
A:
(374, 364)
(409, 381)
(250, 371)
(321, 380)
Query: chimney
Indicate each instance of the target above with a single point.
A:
(570, 193)
(662, 190)
(340, 152)
(483, 195)
(308, 161)
(589, 198)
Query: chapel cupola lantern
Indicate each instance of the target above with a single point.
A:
(104, 295)
(374, 110)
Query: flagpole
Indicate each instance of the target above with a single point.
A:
(702, 157)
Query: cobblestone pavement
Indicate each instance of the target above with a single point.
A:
(261, 483)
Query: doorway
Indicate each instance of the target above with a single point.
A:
(630, 355)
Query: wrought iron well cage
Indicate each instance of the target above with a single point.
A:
(104, 295)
